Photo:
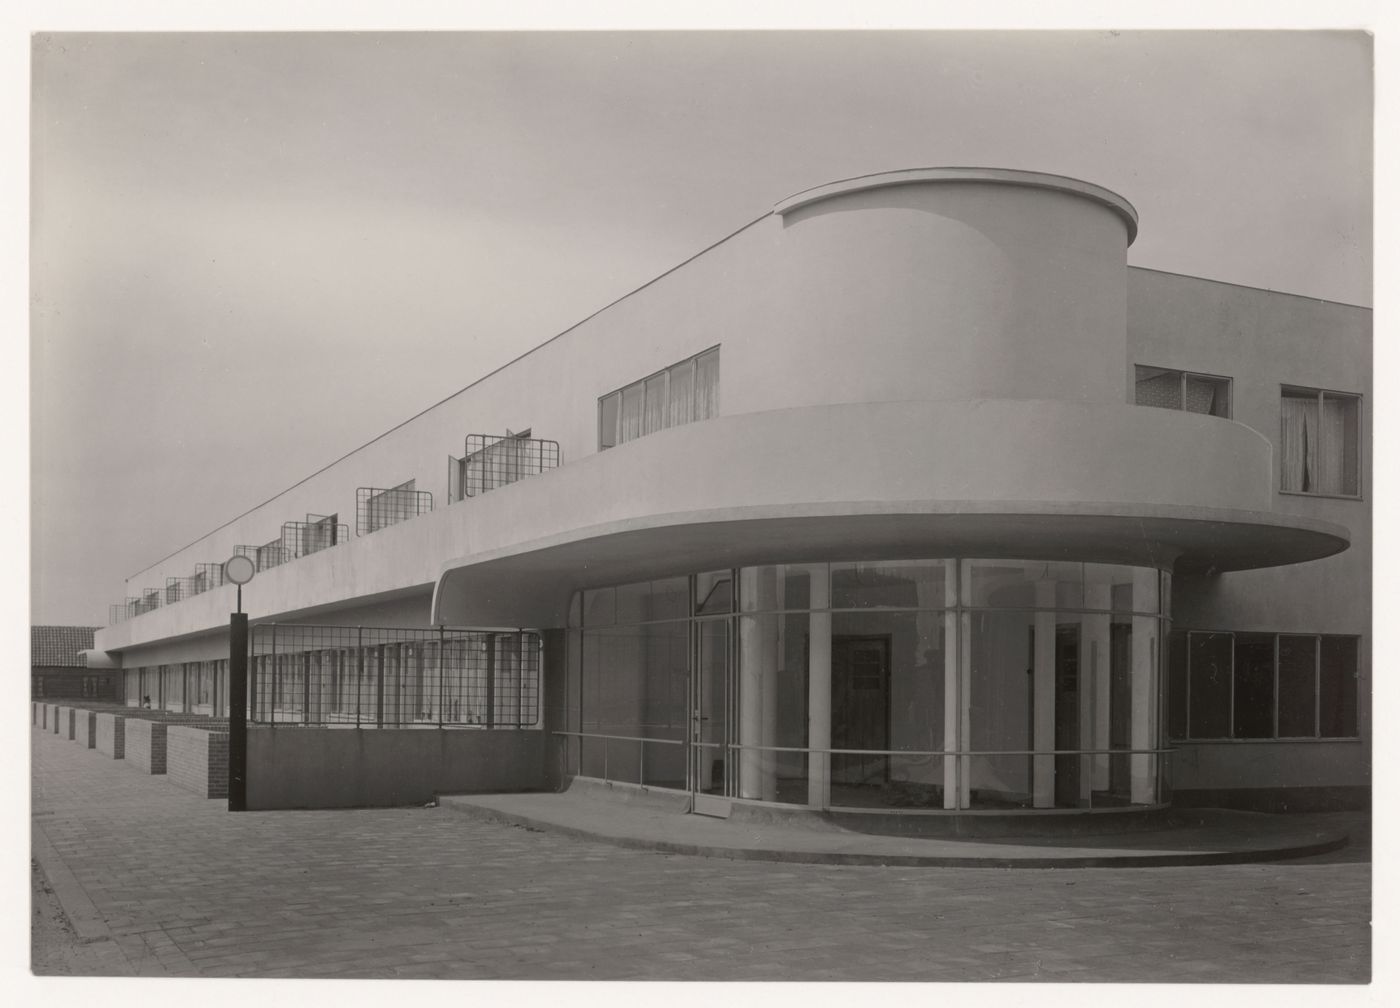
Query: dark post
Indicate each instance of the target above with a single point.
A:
(238, 711)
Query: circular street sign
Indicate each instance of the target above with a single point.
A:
(239, 569)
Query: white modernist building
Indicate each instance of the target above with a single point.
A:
(910, 494)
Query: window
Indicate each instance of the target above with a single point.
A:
(1262, 686)
(1181, 390)
(680, 394)
(1320, 443)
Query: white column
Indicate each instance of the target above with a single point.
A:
(953, 698)
(819, 692)
(758, 679)
(1094, 680)
(1144, 707)
(770, 699)
(964, 710)
(1043, 690)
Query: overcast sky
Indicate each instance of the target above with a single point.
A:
(253, 253)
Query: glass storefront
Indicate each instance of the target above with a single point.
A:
(911, 684)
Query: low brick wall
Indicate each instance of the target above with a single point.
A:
(85, 728)
(146, 744)
(111, 735)
(197, 760)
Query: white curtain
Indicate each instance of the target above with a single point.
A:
(707, 385)
(654, 417)
(1298, 451)
(630, 422)
(680, 394)
(1337, 446)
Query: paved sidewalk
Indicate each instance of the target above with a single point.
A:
(180, 887)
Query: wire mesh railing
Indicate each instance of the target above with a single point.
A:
(497, 460)
(211, 575)
(266, 556)
(377, 508)
(328, 676)
(302, 538)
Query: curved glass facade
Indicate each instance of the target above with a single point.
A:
(949, 684)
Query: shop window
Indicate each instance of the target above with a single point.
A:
(680, 394)
(1181, 390)
(1320, 443)
(1262, 686)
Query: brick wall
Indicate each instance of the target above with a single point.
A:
(197, 760)
(146, 744)
(85, 729)
(111, 735)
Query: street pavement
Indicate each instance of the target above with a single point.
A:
(159, 882)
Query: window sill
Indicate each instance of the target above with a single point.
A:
(1323, 496)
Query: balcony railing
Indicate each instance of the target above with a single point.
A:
(494, 460)
(304, 675)
(303, 538)
(377, 508)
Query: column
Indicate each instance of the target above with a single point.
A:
(1095, 690)
(954, 644)
(758, 681)
(1043, 696)
(819, 692)
(1144, 709)
(770, 696)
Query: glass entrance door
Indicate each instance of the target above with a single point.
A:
(711, 767)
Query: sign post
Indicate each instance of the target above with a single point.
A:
(239, 570)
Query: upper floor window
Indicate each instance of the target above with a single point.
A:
(1320, 442)
(1181, 390)
(678, 395)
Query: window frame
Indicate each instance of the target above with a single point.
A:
(1320, 396)
(613, 438)
(1275, 737)
(1182, 376)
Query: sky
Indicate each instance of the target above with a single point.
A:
(252, 253)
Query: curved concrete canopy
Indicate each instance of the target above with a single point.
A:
(1002, 176)
(530, 585)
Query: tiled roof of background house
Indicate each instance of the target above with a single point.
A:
(59, 645)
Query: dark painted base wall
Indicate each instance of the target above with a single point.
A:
(1339, 798)
(306, 768)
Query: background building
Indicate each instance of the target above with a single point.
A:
(908, 494)
(57, 668)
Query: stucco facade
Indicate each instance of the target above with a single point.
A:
(942, 366)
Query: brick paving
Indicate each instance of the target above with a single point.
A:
(187, 889)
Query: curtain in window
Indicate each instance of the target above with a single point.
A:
(654, 415)
(1201, 396)
(1338, 436)
(681, 394)
(1298, 454)
(707, 385)
(630, 421)
(1155, 387)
